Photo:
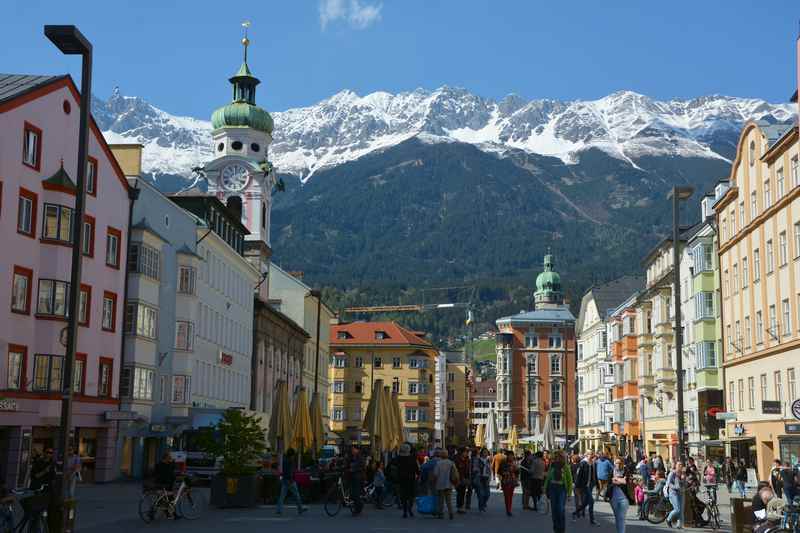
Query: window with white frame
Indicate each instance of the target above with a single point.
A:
(396, 362)
(707, 354)
(759, 327)
(767, 195)
(144, 259)
(753, 206)
(53, 298)
(556, 419)
(795, 172)
(783, 252)
(751, 393)
(141, 320)
(31, 148)
(15, 370)
(533, 393)
(773, 321)
(745, 273)
(764, 389)
(338, 387)
(180, 389)
(555, 394)
(57, 225)
(47, 372)
(731, 396)
(756, 265)
(779, 182)
(556, 341)
(186, 279)
(532, 359)
(786, 315)
(531, 340)
(339, 414)
(704, 305)
(359, 362)
(340, 361)
(377, 362)
(770, 260)
(791, 382)
(555, 364)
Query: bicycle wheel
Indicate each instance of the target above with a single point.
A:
(388, 498)
(333, 502)
(656, 512)
(191, 504)
(148, 509)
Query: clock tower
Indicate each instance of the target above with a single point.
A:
(240, 174)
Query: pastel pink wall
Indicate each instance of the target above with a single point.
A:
(110, 208)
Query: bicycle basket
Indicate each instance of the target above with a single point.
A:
(35, 503)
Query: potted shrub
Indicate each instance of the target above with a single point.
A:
(239, 440)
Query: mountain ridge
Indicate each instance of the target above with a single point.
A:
(346, 126)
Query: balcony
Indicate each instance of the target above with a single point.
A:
(631, 428)
(616, 392)
(663, 330)
(645, 340)
(665, 377)
(630, 390)
(647, 385)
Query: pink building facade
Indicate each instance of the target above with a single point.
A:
(39, 119)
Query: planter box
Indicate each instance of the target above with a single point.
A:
(234, 491)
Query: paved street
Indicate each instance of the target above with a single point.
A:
(113, 508)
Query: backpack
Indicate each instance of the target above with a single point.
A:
(665, 490)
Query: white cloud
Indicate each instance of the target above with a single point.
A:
(356, 13)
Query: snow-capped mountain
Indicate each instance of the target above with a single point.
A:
(346, 126)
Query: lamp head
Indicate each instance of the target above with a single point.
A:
(684, 192)
(68, 39)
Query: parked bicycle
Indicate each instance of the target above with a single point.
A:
(656, 508)
(712, 508)
(34, 505)
(339, 496)
(186, 503)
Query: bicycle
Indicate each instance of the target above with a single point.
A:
(657, 508)
(186, 503)
(339, 496)
(711, 506)
(34, 505)
(791, 518)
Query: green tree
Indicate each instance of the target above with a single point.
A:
(239, 439)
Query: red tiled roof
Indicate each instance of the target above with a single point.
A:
(364, 333)
(485, 387)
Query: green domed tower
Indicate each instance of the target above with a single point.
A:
(548, 285)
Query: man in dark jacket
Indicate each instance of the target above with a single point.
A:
(585, 481)
(288, 484)
(355, 470)
(525, 467)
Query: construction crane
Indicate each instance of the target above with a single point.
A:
(412, 308)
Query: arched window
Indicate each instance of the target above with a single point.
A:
(752, 153)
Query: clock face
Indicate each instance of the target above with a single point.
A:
(796, 409)
(235, 177)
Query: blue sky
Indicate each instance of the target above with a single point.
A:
(178, 54)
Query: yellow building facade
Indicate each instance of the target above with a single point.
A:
(365, 352)
(759, 257)
(458, 384)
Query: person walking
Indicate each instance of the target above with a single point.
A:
(583, 490)
(379, 484)
(407, 474)
(710, 474)
(288, 484)
(355, 470)
(775, 478)
(525, 467)
(619, 494)
(728, 473)
(604, 472)
(557, 484)
(674, 487)
(445, 477)
(74, 469)
(741, 478)
(538, 473)
(788, 482)
(497, 460)
(508, 480)
(463, 467)
(643, 468)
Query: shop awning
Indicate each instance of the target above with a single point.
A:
(700, 443)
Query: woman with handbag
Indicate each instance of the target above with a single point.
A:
(619, 494)
(508, 479)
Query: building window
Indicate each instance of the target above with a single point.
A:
(556, 341)
(395, 362)
(180, 389)
(764, 390)
(109, 311)
(186, 279)
(741, 395)
(704, 305)
(184, 336)
(741, 215)
(770, 265)
(532, 364)
(26, 212)
(53, 298)
(451, 377)
(339, 414)
(113, 240)
(47, 372)
(531, 341)
(753, 206)
(105, 377)
(773, 322)
(163, 391)
(17, 363)
(555, 364)
(778, 386)
(340, 361)
(79, 373)
(85, 305)
(143, 259)
(759, 327)
(381, 335)
(779, 191)
(141, 387)
(782, 250)
(451, 395)
(21, 284)
(751, 392)
(377, 362)
(87, 239)
(32, 147)
(752, 153)
(338, 387)
(792, 383)
(795, 172)
(57, 224)
(396, 386)
(767, 195)
(141, 320)
(756, 265)
(91, 176)
(556, 419)
(358, 387)
(359, 362)
(555, 395)
(735, 279)
(412, 415)
(708, 355)
(745, 273)
(787, 324)
(731, 397)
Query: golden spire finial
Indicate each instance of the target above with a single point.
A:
(245, 40)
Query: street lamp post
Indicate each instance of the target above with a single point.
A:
(71, 41)
(677, 194)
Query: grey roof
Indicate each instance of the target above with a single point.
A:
(548, 314)
(14, 85)
(774, 132)
(609, 295)
(144, 225)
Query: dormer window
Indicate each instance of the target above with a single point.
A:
(343, 335)
(381, 335)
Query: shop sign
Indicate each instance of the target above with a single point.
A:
(771, 407)
(796, 409)
(121, 415)
(792, 428)
(225, 359)
(738, 430)
(158, 428)
(8, 404)
(725, 416)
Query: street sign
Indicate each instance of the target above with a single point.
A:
(725, 416)
(796, 409)
(792, 428)
(771, 407)
(121, 415)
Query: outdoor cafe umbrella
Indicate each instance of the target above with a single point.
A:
(393, 439)
(302, 435)
(398, 418)
(548, 436)
(480, 436)
(317, 427)
(280, 428)
(376, 421)
(513, 438)
(491, 431)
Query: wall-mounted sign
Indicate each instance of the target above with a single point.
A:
(121, 415)
(725, 416)
(796, 409)
(8, 404)
(738, 430)
(771, 407)
(158, 428)
(792, 428)
(225, 359)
